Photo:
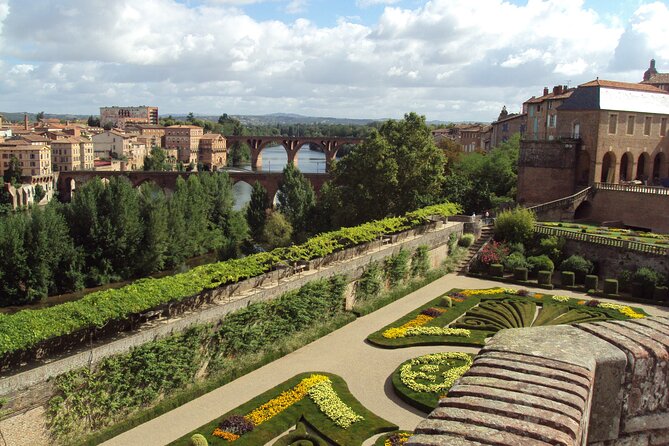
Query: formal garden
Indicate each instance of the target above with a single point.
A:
(312, 408)
(469, 317)
(629, 235)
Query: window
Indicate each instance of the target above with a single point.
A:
(613, 124)
(550, 104)
(552, 121)
(646, 125)
(663, 127)
(630, 125)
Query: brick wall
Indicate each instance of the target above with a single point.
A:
(546, 171)
(634, 209)
(600, 384)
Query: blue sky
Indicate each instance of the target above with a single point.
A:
(457, 60)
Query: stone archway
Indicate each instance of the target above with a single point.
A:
(642, 172)
(659, 168)
(608, 168)
(583, 168)
(626, 166)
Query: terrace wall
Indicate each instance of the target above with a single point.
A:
(598, 384)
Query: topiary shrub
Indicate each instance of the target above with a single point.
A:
(520, 274)
(625, 279)
(466, 240)
(648, 279)
(661, 293)
(515, 260)
(496, 270)
(198, 440)
(515, 225)
(544, 277)
(446, 301)
(567, 278)
(578, 265)
(610, 287)
(540, 263)
(591, 282)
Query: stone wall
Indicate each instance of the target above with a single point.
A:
(30, 388)
(633, 209)
(546, 171)
(598, 384)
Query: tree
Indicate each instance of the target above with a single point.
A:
(39, 116)
(452, 152)
(39, 193)
(156, 160)
(13, 172)
(190, 118)
(256, 212)
(176, 224)
(239, 152)
(396, 169)
(153, 212)
(93, 122)
(296, 198)
(278, 230)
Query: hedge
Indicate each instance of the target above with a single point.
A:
(610, 287)
(27, 328)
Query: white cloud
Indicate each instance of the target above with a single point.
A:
(296, 6)
(368, 3)
(449, 59)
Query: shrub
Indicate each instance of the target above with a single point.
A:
(198, 440)
(567, 278)
(661, 293)
(520, 274)
(493, 252)
(446, 301)
(517, 247)
(515, 225)
(540, 263)
(647, 278)
(466, 240)
(544, 277)
(370, 283)
(452, 242)
(552, 247)
(515, 260)
(497, 270)
(237, 424)
(625, 279)
(591, 282)
(578, 265)
(610, 287)
(420, 261)
(397, 267)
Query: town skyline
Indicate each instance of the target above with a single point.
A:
(370, 59)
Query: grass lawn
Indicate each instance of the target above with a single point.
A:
(304, 409)
(484, 312)
(613, 233)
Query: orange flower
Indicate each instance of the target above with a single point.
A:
(225, 435)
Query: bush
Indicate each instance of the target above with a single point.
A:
(647, 278)
(552, 247)
(420, 261)
(370, 283)
(661, 293)
(515, 226)
(610, 287)
(625, 279)
(591, 282)
(544, 277)
(466, 240)
(517, 247)
(515, 260)
(567, 278)
(446, 301)
(497, 270)
(397, 267)
(493, 252)
(540, 263)
(520, 274)
(198, 440)
(578, 265)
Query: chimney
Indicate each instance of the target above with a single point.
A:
(25, 121)
(545, 91)
(651, 71)
(557, 90)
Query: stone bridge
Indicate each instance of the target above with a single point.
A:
(292, 144)
(68, 181)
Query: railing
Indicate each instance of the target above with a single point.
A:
(600, 240)
(657, 190)
(561, 202)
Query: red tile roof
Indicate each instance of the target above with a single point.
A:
(623, 86)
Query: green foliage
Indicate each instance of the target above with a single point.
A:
(156, 161)
(544, 277)
(370, 283)
(256, 212)
(551, 246)
(540, 263)
(497, 270)
(515, 260)
(397, 267)
(648, 277)
(395, 170)
(90, 400)
(520, 274)
(466, 240)
(420, 261)
(300, 437)
(39, 193)
(13, 172)
(578, 265)
(568, 278)
(277, 231)
(610, 287)
(591, 282)
(296, 198)
(198, 440)
(515, 225)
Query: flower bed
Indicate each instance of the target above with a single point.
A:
(393, 439)
(478, 313)
(320, 399)
(422, 381)
(630, 235)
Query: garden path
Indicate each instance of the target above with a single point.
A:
(344, 352)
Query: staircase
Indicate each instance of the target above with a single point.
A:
(486, 235)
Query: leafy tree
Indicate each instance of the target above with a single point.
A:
(237, 231)
(296, 198)
(39, 193)
(156, 161)
(190, 118)
(515, 225)
(14, 267)
(13, 172)
(153, 212)
(39, 116)
(256, 212)
(452, 152)
(278, 230)
(176, 223)
(93, 122)
(325, 214)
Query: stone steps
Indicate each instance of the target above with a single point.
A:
(486, 234)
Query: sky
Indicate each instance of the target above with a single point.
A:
(450, 60)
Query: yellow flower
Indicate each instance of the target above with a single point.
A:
(622, 309)
(398, 332)
(225, 435)
(487, 292)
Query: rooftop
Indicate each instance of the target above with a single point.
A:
(623, 86)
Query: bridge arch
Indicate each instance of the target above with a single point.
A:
(583, 211)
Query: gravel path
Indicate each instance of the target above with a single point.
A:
(344, 352)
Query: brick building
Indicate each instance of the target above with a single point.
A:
(542, 113)
(34, 159)
(121, 116)
(507, 125)
(183, 142)
(213, 151)
(149, 134)
(605, 131)
(472, 137)
(654, 78)
(72, 154)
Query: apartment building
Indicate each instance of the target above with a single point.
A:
(542, 115)
(121, 116)
(507, 125)
(184, 142)
(34, 159)
(213, 151)
(72, 154)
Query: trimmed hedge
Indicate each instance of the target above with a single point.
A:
(26, 329)
(520, 274)
(497, 270)
(544, 277)
(591, 282)
(610, 287)
(568, 278)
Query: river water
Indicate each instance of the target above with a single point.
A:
(274, 159)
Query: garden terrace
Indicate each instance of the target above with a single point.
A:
(619, 238)
(468, 317)
(33, 333)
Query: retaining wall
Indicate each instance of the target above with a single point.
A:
(598, 384)
(29, 387)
